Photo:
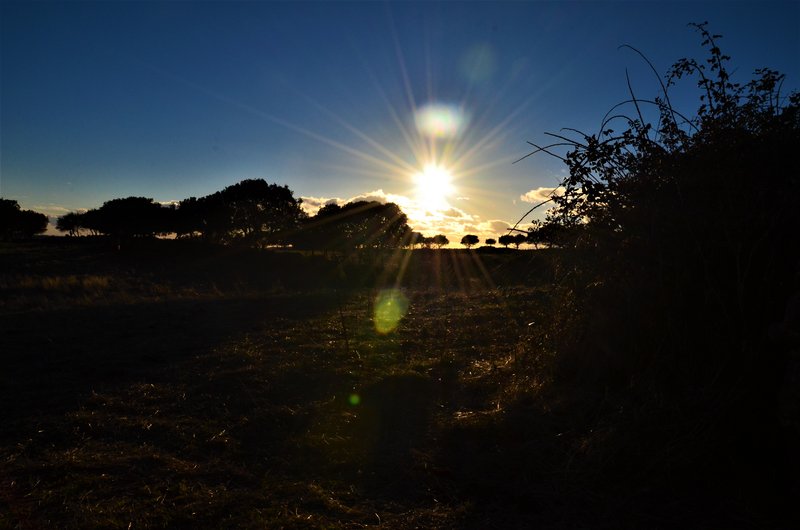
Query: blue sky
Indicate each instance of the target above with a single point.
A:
(178, 99)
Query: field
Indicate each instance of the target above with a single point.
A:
(195, 388)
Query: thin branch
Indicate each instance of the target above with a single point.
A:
(655, 72)
(534, 208)
(633, 97)
(544, 149)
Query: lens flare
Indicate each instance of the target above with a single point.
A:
(354, 399)
(437, 120)
(390, 307)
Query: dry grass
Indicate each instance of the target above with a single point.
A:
(132, 397)
(133, 403)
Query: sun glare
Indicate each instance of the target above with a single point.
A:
(433, 187)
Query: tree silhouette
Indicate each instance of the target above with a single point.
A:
(130, 217)
(506, 239)
(260, 213)
(356, 225)
(469, 240)
(491, 242)
(70, 223)
(16, 223)
(518, 239)
(440, 240)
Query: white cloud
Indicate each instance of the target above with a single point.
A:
(51, 210)
(311, 205)
(542, 194)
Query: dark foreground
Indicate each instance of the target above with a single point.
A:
(215, 391)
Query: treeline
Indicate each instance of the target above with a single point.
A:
(257, 214)
(16, 223)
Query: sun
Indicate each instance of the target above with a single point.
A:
(433, 187)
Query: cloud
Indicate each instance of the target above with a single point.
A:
(311, 205)
(542, 194)
(455, 213)
(498, 226)
(51, 210)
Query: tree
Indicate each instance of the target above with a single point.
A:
(356, 225)
(518, 239)
(469, 240)
(506, 239)
(440, 240)
(128, 217)
(491, 242)
(16, 223)
(252, 212)
(416, 239)
(70, 223)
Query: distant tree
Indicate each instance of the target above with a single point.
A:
(491, 242)
(440, 240)
(518, 239)
(256, 212)
(360, 224)
(469, 240)
(416, 238)
(92, 221)
(70, 223)
(506, 239)
(16, 223)
(426, 241)
(129, 217)
(252, 212)
(550, 234)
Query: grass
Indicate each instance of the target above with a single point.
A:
(208, 390)
(130, 400)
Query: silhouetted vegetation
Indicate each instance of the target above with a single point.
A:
(685, 233)
(440, 240)
(470, 240)
(356, 225)
(16, 223)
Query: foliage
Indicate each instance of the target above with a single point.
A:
(129, 217)
(70, 223)
(16, 223)
(470, 240)
(252, 212)
(440, 240)
(491, 242)
(360, 224)
(683, 256)
(506, 239)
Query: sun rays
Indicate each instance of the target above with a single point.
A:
(433, 187)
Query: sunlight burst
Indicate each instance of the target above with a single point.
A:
(433, 187)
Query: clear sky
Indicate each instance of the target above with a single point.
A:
(175, 99)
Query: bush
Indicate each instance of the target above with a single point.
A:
(682, 237)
